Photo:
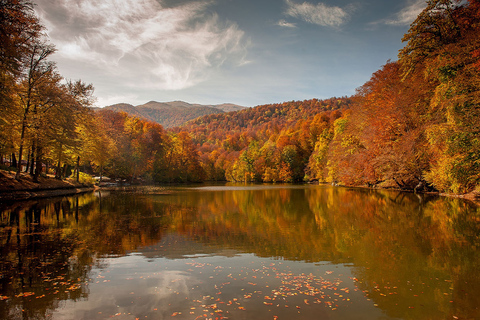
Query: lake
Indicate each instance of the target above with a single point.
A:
(240, 252)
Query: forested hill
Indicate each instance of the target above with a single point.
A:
(267, 143)
(174, 113)
(270, 117)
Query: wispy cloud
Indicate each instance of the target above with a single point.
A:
(319, 14)
(284, 23)
(167, 47)
(408, 14)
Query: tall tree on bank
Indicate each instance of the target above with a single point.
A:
(443, 46)
(19, 30)
(46, 97)
(39, 69)
(66, 119)
(82, 99)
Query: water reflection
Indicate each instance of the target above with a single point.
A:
(414, 257)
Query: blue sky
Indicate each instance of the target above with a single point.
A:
(248, 52)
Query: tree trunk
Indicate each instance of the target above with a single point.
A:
(58, 173)
(64, 173)
(78, 169)
(13, 162)
(38, 165)
(400, 184)
(32, 167)
(28, 161)
(22, 139)
(36, 63)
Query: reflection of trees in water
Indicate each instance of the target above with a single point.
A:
(49, 247)
(417, 250)
(396, 240)
(41, 264)
(267, 222)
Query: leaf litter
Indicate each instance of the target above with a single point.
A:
(271, 287)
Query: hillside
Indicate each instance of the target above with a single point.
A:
(266, 143)
(270, 117)
(174, 113)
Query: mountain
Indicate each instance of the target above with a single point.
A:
(174, 113)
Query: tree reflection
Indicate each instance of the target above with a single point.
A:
(41, 264)
(49, 247)
(415, 256)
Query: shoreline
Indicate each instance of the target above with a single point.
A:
(471, 196)
(23, 195)
(26, 189)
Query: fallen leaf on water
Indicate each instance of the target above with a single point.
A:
(25, 294)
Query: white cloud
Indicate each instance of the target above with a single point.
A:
(142, 41)
(320, 13)
(284, 23)
(110, 99)
(408, 14)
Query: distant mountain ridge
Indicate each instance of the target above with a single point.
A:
(174, 113)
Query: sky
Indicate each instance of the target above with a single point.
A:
(246, 52)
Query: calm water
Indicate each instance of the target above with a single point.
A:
(241, 252)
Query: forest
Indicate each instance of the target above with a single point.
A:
(415, 125)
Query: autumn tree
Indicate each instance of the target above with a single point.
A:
(19, 33)
(39, 69)
(68, 117)
(322, 129)
(244, 168)
(383, 139)
(435, 27)
(19, 30)
(98, 147)
(44, 98)
(443, 46)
